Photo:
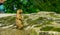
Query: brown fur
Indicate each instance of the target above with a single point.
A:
(19, 19)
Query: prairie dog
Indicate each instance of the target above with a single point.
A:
(19, 19)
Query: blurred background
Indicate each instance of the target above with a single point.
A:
(29, 6)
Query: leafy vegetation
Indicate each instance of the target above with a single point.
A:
(31, 6)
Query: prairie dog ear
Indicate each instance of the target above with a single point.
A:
(19, 11)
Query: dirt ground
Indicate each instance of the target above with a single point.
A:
(13, 32)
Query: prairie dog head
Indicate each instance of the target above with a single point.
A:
(19, 11)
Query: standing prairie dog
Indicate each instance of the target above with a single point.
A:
(19, 19)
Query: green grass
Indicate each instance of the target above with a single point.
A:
(50, 28)
(56, 29)
(26, 17)
(7, 20)
(47, 28)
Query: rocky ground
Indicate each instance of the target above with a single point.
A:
(41, 23)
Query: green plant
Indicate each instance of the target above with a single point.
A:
(31, 6)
